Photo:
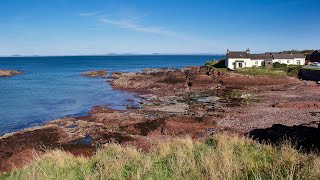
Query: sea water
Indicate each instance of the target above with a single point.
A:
(51, 87)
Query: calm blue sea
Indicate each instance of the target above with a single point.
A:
(51, 87)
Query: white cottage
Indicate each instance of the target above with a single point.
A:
(238, 59)
(297, 59)
(241, 59)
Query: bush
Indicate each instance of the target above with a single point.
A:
(216, 64)
(294, 71)
(279, 65)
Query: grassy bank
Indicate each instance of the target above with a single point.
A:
(260, 71)
(221, 157)
(292, 71)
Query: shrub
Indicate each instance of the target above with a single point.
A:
(216, 64)
(294, 71)
(279, 65)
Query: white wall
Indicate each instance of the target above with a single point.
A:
(249, 62)
(230, 61)
(291, 61)
(252, 63)
(259, 61)
(302, 61)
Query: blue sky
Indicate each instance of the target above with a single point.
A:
(66, 27)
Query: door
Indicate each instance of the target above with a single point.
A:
(240, 65)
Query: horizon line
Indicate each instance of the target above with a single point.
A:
(114, 54)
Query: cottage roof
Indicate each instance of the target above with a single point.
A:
(268, 55)
(260, 56)
(238, 54)
(287, 56)
(272, 53)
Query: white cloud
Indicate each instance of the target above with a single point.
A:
(142, 28)
(133, 22)
(131, 25)
(91, 13)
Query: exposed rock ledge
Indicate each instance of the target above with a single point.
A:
(97, 73)
(7, 73)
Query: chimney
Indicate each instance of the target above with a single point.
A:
(228, 51)
(248, 50)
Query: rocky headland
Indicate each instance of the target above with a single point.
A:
(7, 73)
(193, 101)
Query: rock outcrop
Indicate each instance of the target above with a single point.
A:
(93, 74)
(7, 73)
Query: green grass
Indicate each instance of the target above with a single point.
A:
(219, 157)
(311, 68)
(262, 71)
(216, 65)
(291, 70)
(220, 65)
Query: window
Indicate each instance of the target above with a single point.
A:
(257, 62)
(288, 61)
(298, 62)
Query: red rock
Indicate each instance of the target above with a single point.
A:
(101, 109)
(298, 105)
(17, 147)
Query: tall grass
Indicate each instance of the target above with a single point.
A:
(220, 157)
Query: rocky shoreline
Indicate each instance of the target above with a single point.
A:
(194, 101)
(8, 73)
